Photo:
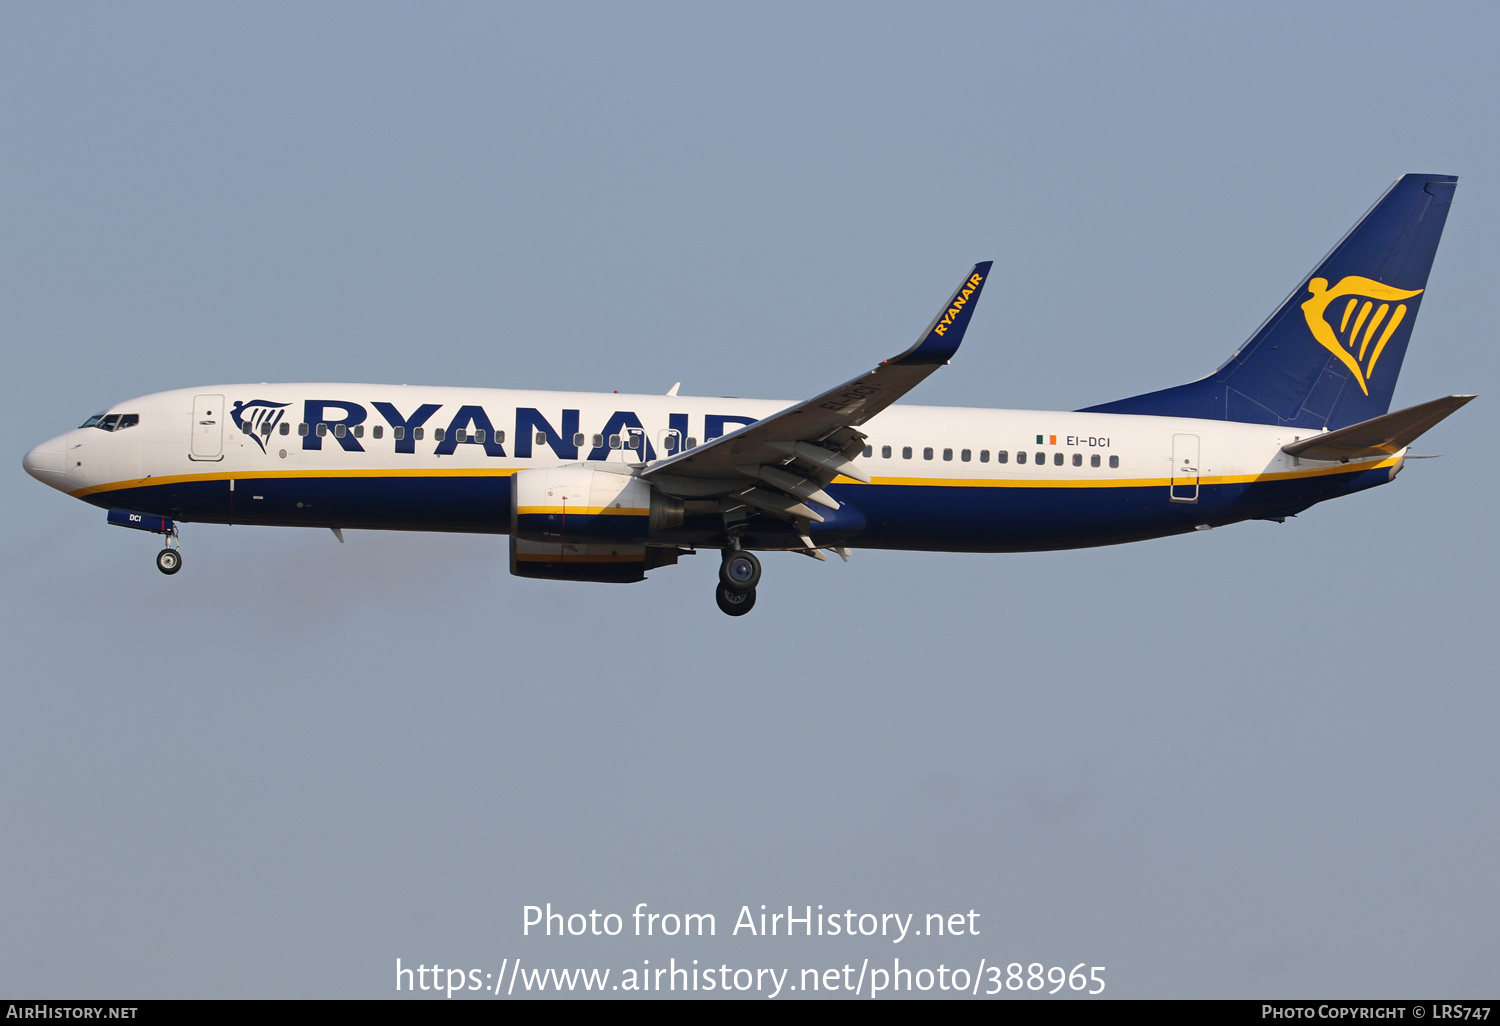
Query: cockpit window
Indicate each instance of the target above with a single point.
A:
(112, 421)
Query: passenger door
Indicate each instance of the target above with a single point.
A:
(208, 428)
(1184, 468)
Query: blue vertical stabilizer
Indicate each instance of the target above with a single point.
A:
(1330, 354)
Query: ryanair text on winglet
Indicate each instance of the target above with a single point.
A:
(958, 304)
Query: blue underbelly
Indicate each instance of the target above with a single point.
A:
(936, 518)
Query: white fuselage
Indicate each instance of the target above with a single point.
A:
(191, 449)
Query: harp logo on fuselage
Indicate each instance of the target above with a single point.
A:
(1357, 330)
(258, 418)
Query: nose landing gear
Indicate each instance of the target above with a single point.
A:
(169, 559)
(738, 576)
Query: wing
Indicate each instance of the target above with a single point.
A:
(782, 462)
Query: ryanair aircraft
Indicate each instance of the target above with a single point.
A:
(594, 487)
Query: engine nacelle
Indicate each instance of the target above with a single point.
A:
(574, 561)
(581, 504)
(584, 523)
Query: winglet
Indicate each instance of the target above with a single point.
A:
(940, 341)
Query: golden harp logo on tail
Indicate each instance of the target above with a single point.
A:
(1357, 329)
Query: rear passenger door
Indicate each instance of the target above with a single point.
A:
(1184, 468)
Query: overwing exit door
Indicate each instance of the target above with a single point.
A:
(1184, 468)
(668, 442)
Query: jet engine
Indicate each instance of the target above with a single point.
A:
(589, 523)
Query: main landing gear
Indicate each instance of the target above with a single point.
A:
(738, 576)
(169, 559)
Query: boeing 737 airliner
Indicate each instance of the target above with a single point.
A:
(593, 487)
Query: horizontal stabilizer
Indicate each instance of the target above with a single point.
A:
(1380, 436)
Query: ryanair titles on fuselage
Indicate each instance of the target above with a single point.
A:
(347, 424)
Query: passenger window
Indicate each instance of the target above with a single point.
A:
(948, 455)
(885, 452)
(1057, 459)
(461, 435)
(265, 430)
(984, 455)
(480, 434)
(417, 433)
(322, 430)
(302, 430)
(1041, 458)
(1020, 457)
(692, 443)
(437, 434)
(927, 453)
(869, 451)
(376, 431)
(1094, 460)
(128, 420)
(578, 440)
(614, 441)
(1114, 463)
(359, 431)
(1078, 459)
(1003, 456)
(966, 455)
(339, 431)
(499, 436)
(906, 452)
(598, 441)
(108, 423)
(398, 432)
(286, 429)
(541, 438)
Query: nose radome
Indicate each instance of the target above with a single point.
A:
(48, 462)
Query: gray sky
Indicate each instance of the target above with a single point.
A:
(1258, 761)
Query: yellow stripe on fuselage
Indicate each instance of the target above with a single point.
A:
(1134, 482)
(535, 557)
(254, 475)
(587, 511)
